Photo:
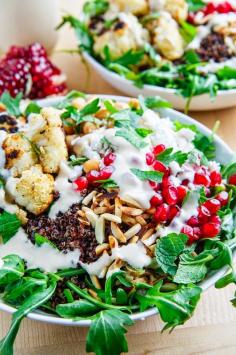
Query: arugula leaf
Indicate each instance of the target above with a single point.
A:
(9, 225)
(32, 302)
(32, 107)
(13, 269)
(125, 118)
(76, 309)
(148, 175)
(167, 156)
(108, 285)
(77, 160)
(229, 170)
(143, 132)
(40, 240)
(23, 288)
(191, 57)
(187, 31)
(95, 7)
(195, 5)
(226, 73)
(107, 333)
(130, 57)
(132, 137)
(153, 102)
(12, 104)
(168, 250)
(175, 307)
(81, 31)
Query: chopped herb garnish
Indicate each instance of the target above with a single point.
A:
(40, 240)
(77, 160)
(148, 175)
(95, 7)
(132, 137)
(12, 104)
(33, 107)
(69, 97)
(143, 132)
(108, 183)
(167, 156)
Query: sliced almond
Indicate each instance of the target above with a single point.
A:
(100, 230)
(95, 281)
(113, 242)
(131, 211)
(134, 239)
(130, 201)
(118, 234)
(132, 231)
(89, 198)
(100, 210)
(148, 233)
(111, 217)
(101, 248)
(118, 205)
(91, 216)
(128, 220)
(141, 220)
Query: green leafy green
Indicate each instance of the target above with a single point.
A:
(9, 225)
(166, 157)
(195, 5)
(32, 302)
(143, 132)
(148, 175)
(73, 94)
(77, 160)
(12, 104)
(130, 57)
(132, 137)
(229, 170)
(40, 240)
(76, 309)
(187, 31)
(168, 250)
(95, 7)
(108, 183)
(13, 269)
(154, 102)
(191, 57)
(109, 106)
(226, 73)
(107, 333)
(82, 115)
(32, 107)
(175, 307)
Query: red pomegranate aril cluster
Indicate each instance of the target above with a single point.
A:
(161, 213)
(103, 174)
(213, 205)
(223, 197)
(208, 179)
(109, 158)
(156, 200)
(232, 179)
(81, 183)
(211, 8)
(158, 149)
(29, 70)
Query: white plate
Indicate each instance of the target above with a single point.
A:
(223, 153)
(224, 99)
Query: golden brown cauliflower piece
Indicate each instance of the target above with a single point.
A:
(167, 38)
(19, 153)
(177, 8)
(136, 7)
(126, 34)
(33, 190)
(45, 130)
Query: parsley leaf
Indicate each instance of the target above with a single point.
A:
(33, 107)
(130, 57)
(153, 102)
(95, 7)
(167, 156)
(84, 114)
(175, 307)
(12, 104)
(108, 183)
(77, 160)
(168, 250)
(69, 97)
(81, 31)
(9, 225)
(107, 333)
(143, 132)
(148, 175)
(191, 57)
(132, 137)
(111, 108)
(195, 5)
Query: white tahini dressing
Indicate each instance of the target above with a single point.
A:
(68, 195)
(189, 209)
(3, 172)
(44, 257)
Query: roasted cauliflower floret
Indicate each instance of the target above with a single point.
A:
(33, 190)
(19, 153)
(136, 7)
(177, 8)
(167, 38)
(126, 34)
(45, 130)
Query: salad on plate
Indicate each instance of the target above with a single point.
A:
(185, 45)
(109, 208)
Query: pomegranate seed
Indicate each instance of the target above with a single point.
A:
(185, 182)
(210, 230)
(200, 179)
(203, 214)
(215, 219)
(213, 205)
(224, 8)
(22, 66)
(161, 214)
(197, 232)
(174, 210)
(181, 193)
(150, 158)
(93, 175)
(81, 183)
(155, 186)
(109, 158)
(158, 149)
(187, 230)
(193, 221)
(232, 179)
(170, 195)
(216, 178)
(156, 200)
(106, 172)
(223, 197)
(158, 166)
